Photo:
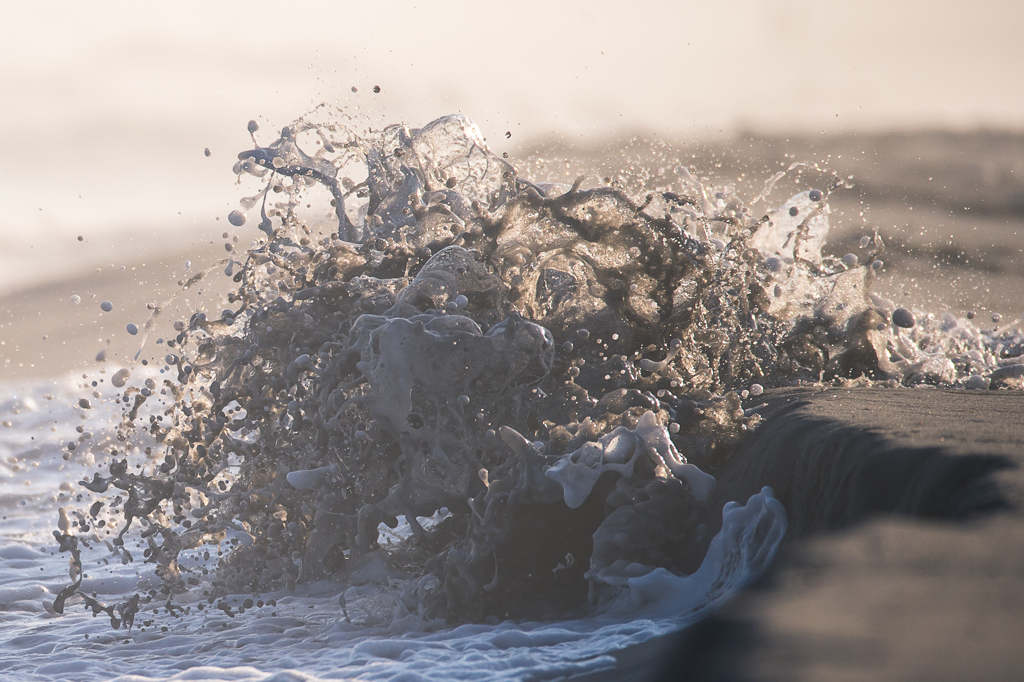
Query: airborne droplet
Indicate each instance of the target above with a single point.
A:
(120, 378)
(236, 218)
(901, 317)
(132, 329)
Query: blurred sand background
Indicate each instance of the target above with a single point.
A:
(107, 108)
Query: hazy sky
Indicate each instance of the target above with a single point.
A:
(106, 107)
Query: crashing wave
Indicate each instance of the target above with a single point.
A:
(540, 381)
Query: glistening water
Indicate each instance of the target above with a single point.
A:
(452, 422)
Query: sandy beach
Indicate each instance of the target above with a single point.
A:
(46, 334)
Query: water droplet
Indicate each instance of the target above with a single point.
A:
(977, 382)
(813, 195)
(253, 126)
(236, 218)
(132, 329)
(106, 306)
(756, 389)
(207, 151)
(901, 317)
(376, 89)
(76, 299)
(794, 211)
(850, 259)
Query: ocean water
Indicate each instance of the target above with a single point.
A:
(452, 421)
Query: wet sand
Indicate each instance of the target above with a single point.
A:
(905, 555)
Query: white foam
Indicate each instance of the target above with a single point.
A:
(741, 551)
(305, 636)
